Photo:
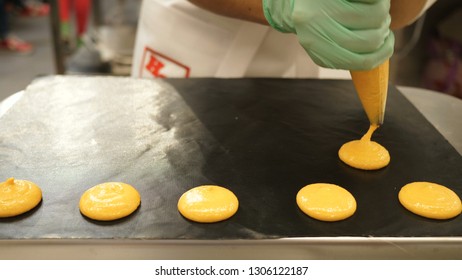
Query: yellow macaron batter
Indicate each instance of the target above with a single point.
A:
(18, 197)
(208, 204)
(326, 202)
(109, 201)
(364, 153)
(430, 200)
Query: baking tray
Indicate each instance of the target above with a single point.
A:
(264, 139)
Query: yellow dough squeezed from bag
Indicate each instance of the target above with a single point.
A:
(326, 202)
(430, 200)
(372, 89)
(18, 197)
(364, 153)
(109, 201)
(208, 204)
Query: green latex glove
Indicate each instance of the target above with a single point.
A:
(340, 34)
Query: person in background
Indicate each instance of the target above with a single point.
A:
(7, 40)
(81, 10)
(28, 8)
(269, 38)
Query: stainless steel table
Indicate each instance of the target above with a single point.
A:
(441, 110)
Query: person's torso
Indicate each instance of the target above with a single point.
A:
(177, 39)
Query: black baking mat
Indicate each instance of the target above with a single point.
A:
(264, 139)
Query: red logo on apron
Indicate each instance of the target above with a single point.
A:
(155, 64)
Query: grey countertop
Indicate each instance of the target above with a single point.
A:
(441, 110)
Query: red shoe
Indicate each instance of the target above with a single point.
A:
(17, 45)
(38, 10)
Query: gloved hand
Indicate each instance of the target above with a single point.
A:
(340, 34)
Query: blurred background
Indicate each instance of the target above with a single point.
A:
(96, 37)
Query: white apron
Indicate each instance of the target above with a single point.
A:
(177, 39)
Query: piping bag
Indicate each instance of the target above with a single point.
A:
(372, 87)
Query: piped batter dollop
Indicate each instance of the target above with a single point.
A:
(326, 202)
(430, 200)
(208, 204)
(18, 197)
(109, 201)
(364, 153)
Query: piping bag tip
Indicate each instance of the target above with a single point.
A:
(372, 88)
